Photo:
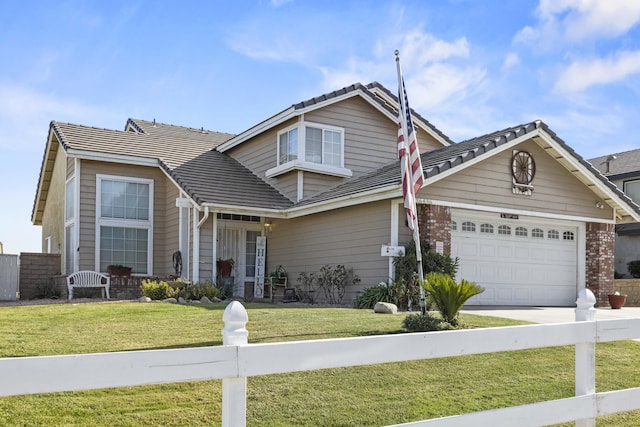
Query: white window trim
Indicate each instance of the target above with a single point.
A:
(300, 163)
(125, 223)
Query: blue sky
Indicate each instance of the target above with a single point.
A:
(471, 67)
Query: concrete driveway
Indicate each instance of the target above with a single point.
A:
(548, 314)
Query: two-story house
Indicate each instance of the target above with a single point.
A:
(623, 169)
(529, 219)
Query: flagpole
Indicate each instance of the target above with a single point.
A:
(412, 219)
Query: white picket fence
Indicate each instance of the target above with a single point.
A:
(236, 360)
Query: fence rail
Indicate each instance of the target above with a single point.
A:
(236, 360)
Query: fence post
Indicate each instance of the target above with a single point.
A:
(234, 390)
(586, 353)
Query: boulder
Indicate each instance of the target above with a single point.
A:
(171, 300)
(385, 308)
(205, 300)
(182, 300)
(144, 299)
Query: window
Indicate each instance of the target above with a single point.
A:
(251, 251)
(537, 233)
(69, 200)
(632, 189)
(553, 234)
(288, 146)
(486, 228)
(504, 230)
(311, 146)
(521, 231)
(124, 222)
(69, 227)
(468, 226)
(454, 226)
(567, 235)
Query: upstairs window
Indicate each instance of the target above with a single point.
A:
(288, 146)
(313, 147)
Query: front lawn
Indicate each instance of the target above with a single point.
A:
(361, 396)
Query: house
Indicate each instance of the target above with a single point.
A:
(623, 169)
(319, 183)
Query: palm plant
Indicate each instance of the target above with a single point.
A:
(449, 296)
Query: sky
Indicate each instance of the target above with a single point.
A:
(471, 67)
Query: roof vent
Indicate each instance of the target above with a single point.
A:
(154, 122)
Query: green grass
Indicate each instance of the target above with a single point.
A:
(361, 396)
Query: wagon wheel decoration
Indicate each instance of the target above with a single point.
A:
(523, 168)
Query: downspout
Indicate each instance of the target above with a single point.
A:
(196, 241)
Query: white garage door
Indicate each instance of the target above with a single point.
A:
(518, 262)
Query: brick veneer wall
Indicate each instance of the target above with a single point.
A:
(435, 225)
(630, 288)
(37, 269)
(600, 260)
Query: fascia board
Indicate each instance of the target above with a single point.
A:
(507, 146)
(579, 167)
(421, 124)
(384, 193)
(258, 129)
(523, 212)
(43, 167)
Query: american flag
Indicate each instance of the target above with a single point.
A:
(409, 154)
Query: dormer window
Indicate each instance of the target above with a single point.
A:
(312, 147)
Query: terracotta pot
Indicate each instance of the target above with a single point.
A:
(119, 270)
(617, 301)
(225, 266)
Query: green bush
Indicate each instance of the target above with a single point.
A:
(331, 280)
(47, 290)
(449, 296)
(407, 264)
(427, 322)
(199, 290)
(158, 290)
(634, 268)
(370, 296)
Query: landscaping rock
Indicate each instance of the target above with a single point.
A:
(205, 300)
(182, 300)
(144, 299)
(195, 301)
(385, 308)
(171, 300)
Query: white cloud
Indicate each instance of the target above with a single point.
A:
(511, 60)
(583, 74)
(26, 113)
(572, 21)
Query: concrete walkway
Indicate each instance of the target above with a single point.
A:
(548, 314)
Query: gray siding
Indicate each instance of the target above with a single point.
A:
(88, 170)
(53, 216)
(349, 236)
(556, 190)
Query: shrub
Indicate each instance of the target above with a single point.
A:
(407, 264)
(634, 268)
(332, 281)
(449, 296)
(370, 296)
(199, 290)
(158, 290)
(47, 290)
(427, 322)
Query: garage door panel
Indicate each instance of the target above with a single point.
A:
(518, 270)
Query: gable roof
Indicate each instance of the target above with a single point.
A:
(442, 162)
(185, 154)
(619, 165)
(373, 93)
